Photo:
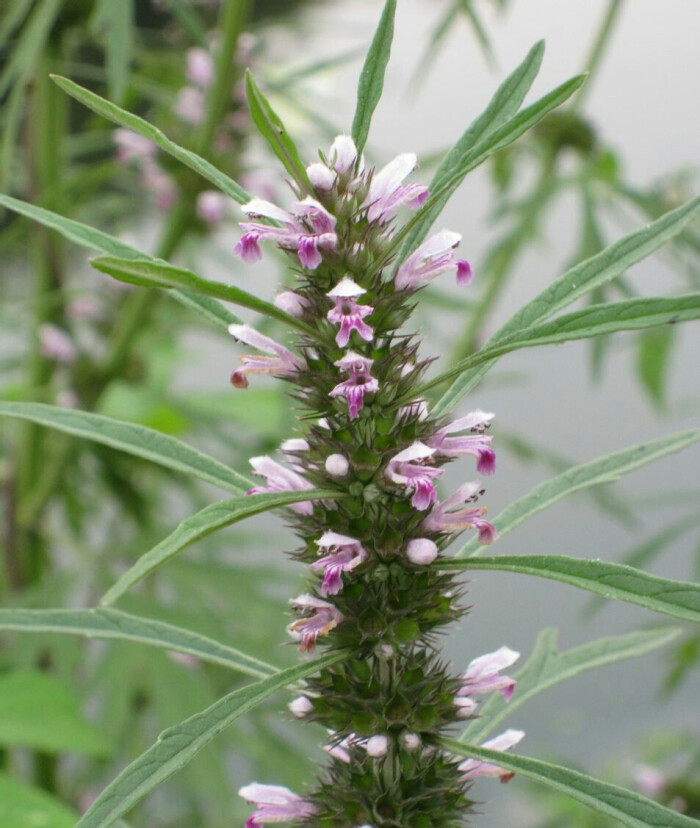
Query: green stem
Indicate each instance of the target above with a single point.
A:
(595, 57)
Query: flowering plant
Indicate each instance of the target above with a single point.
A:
(360, 479)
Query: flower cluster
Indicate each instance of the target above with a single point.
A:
(377, 592)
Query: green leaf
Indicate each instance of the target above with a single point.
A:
(24, 807)
(129, 121)
(150, 273)
(208, 520)
(113, 23)
(177, 745)
(679, 599)
(595, 320)
(503, 106)
(100, 242)
(28, 48)
(59, 727)
(114, 624)
(494, 141)
(133, 439)
(14, 14)
(584, 277)
(547, 667)
(371, 83)
(628, 807)
(602, 470)
(652, 363)
(275, 133)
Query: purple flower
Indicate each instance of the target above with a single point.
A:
(200, 67)
(475, 444)
(280, 479)
(190, 105)
(482, 674)
(434, 257)
(283, 362)
(649, 781)
(308, 230)
(417, 478)
(473, 768)
(345, 554)
(131, 146)
(445, 517)
(387, 192)
(319, 618)
(358, 383)
(211, 206)
(55, 344)
(275, 804)
(347, 313)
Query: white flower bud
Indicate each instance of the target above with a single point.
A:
(337, 465)
(291, 303)
(466, 707)
(421, 551)
(321, 177)
(411, 741)
(300, 707)
(377, 746)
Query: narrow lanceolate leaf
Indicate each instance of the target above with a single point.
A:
(92, 239)
(679, 599)
(595, 320)
(275, 133)
(547, 667)
(211, 519)
(369, 89)
(178, 745)
(113, 624)
(150, 273)
(628, 807)
(602, 470)
(584, 277)
(133, 439)
(503, 106)
(129, 121)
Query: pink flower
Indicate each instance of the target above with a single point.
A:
(319, 618)
(345, 554)
(347, 313)
(482, 674)
(434, 257)
(280, 479)
(200, 67)
(159, 184)
(417, 478)
(190, 105)
(282, 361)
(309, 229)
(475, 444)
(387, 192)
(473, 768)
(358, 383)
(131, 146)
(275, 804)
(445, 517)
(55, 344)
(211, 206)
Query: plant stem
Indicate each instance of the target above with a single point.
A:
(595, 57)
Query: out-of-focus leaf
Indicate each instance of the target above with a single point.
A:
(595, 320)
(548, 666)
(601, 470)
(652, 363)
(137, 440)
(679, 599)
(14, 14)
(150, 273)
(594, 272)
(371, 83)
(210, 519)
(275, 133)
(114, 23)
(24, 807)
(114, 624)
(129, 121)
(29, 46)
(628, 807)
(38, 711)
(178, 745)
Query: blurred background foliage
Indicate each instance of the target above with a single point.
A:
(74, 513)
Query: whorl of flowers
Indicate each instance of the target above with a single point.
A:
(376, 590)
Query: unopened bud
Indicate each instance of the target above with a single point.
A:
(337, 465)
(321, 177)
(300, 707)
(421, 551)
(411, 741)
(377, 746)
(291, 303)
